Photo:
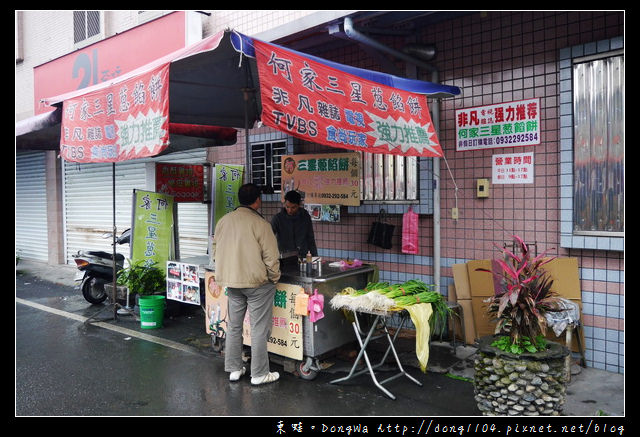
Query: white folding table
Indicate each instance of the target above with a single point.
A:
(364, 340)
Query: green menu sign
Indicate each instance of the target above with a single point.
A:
(153, 228)
(228, 180)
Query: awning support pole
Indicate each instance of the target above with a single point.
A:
(245, 93)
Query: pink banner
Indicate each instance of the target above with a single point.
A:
(321, 104)
(127, 120)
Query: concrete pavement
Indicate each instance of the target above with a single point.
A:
(591, 392)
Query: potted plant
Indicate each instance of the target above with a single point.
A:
(142, 279)
(517, 371)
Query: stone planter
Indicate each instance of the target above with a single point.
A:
(520, 385)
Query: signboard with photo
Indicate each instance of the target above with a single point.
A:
(215, 306)
(183, 282)
(328, 178)
(323, 213)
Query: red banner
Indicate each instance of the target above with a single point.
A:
(127, 120)
(185, 182)
(321, 104)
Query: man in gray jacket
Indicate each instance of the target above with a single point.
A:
(247, 263)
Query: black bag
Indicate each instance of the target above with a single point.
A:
(381, 233)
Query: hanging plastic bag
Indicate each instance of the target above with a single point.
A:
(410, 232)
(381, 232)
(316, 306)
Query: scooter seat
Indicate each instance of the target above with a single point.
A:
(102, 254)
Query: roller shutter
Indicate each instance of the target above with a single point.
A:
(88, 196)
(31, 207)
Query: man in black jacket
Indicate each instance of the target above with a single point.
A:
(293, 228)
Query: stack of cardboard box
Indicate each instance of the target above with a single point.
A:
(472, 290)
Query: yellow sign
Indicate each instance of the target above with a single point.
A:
(286, 330)
(328, 178)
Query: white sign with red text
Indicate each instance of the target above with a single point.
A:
(510, 124)
(513, 168)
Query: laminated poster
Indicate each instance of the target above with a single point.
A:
(183, 283)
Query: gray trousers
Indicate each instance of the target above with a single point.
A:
(259, 302)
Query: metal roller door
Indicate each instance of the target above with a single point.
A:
(88, 196)
(32, 240)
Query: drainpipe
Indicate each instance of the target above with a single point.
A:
(436, 193)
(355, 35)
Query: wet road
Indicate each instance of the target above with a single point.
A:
(65, 367)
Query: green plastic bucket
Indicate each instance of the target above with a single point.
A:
(151, 311)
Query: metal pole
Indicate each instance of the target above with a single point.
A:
(436, 193)
(114, 294)
(247, 160)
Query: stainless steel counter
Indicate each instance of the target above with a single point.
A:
(333, 330)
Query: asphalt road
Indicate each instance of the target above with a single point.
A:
(65, 367)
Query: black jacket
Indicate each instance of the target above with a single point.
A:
(294, 232)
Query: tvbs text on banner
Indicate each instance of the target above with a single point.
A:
(124, 121)
(321, 104)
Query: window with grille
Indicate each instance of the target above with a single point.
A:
(598, 149)
(266, 164)
(86, 25)
(389, 178)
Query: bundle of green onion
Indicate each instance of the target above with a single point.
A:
(409, 293)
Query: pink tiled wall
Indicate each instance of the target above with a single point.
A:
(494, 57)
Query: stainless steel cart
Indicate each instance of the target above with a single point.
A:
(333, 330)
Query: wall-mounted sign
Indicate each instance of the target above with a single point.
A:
(514, 168)
(185, 182)
(328, 178)
(509, 124)
(109, 58)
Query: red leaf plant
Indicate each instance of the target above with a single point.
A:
(522, 295)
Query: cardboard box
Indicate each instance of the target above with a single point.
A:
(472, 288)
(461, 280)
(566, 280)
(482, 323)
(467, 321)
(480, 283)
(452, 296)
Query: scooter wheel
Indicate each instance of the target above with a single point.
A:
(93, 290)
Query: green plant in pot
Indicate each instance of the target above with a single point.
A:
(518, 372)
(142, 279)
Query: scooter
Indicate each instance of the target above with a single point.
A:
(95, 268)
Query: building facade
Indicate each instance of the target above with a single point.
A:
(570, 64)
